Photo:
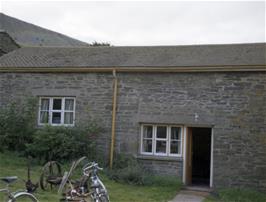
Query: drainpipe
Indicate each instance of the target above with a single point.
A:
(113, 118)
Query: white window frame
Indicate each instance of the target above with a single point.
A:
(155, 139)
(62, 111)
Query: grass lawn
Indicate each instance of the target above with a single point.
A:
(237, 195)
(11, 164)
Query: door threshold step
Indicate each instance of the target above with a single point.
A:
(198, 188)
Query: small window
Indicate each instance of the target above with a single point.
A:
(57, 111)
(161, 140)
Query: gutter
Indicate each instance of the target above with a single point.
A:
(224, 68)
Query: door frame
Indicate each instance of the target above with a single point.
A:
(185, 154)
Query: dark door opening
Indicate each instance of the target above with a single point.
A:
(201, 156)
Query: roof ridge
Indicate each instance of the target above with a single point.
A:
(156, 46)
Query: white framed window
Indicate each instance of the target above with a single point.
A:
(57, 111)
(161, 140)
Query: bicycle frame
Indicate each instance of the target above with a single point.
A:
(95, 189)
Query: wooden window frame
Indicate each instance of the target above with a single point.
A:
(51, 110)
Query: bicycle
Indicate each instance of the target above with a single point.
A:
(16, 196)
(89, 188)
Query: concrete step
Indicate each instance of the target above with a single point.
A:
(198, 189)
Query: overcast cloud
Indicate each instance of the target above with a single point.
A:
(147, 23)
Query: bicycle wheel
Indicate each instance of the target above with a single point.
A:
(104, 198)
(99, 197)
(23, 197)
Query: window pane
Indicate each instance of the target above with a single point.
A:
(69, 104)
(161, 132)
(57, 104)
(44, 117)
(175, 133)
(147, 131)
(56, 117)
(147, 146)
(175, 147)
(68, 118)
(45, 104)
(161, 147)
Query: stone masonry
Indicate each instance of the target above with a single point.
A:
(233, 103)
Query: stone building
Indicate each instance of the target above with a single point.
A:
(198, 112)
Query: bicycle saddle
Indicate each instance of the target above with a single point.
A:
(9, 179)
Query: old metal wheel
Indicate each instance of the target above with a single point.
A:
(51, 174)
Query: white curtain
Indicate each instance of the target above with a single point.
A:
(68, 118)
(69, 104)
(45, 104)
(44, 111)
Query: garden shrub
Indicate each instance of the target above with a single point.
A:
(63, 143)
(127, 169)
(19, 133)
(17, 124)
(123, 161)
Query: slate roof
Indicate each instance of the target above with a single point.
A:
(150, 56)
(26, 34)
(7, 44)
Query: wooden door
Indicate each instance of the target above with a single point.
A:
(189, 157)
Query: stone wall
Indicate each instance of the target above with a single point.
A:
(93, 94)
(233, 103)
(162, 166)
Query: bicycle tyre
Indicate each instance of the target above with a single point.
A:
(104, 198)
(23, 197)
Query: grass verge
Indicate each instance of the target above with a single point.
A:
(11, 164)
(236, 195)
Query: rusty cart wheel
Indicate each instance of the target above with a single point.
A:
(51, 174)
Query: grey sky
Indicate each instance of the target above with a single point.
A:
(147, 23)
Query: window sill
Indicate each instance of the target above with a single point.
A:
(159, 158)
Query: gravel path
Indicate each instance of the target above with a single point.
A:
(190, 196)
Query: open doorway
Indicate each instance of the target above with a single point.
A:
(198, 156)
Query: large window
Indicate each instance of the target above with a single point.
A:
(161, 140)
(57, 111)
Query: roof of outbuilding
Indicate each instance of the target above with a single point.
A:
(7, 44)
(150, 56)
(27, 34)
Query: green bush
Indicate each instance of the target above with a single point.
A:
(17, 124)
(122, 161)
(127, 169)
(63, 143)
(18, 132)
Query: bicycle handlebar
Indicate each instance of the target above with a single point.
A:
(91, 165)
